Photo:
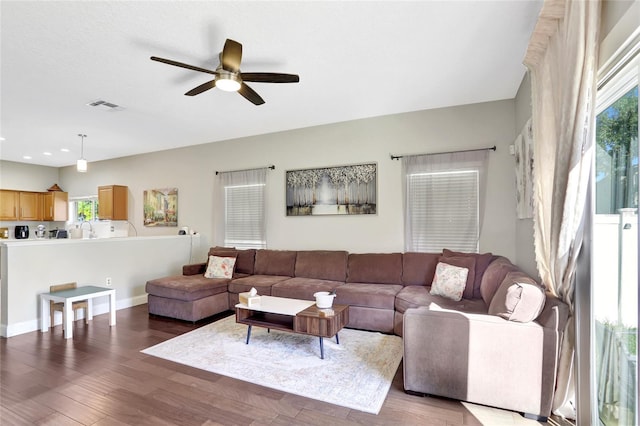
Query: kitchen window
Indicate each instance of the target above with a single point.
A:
(83, 209)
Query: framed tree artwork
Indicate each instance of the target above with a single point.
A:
(339, 190)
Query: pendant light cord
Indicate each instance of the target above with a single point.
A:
(82, 145)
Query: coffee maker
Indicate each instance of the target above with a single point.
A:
(22, 232)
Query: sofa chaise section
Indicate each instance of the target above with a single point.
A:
(187, 297)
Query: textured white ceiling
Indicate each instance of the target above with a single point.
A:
(355, 59)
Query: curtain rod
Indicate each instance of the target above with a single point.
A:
(397, 157)
(272, 167)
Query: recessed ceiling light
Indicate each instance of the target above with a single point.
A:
(26, 157)
(64, 149)
(47, 153)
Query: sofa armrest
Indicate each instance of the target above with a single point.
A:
(194, 269)
(555, 313)
(480, 358)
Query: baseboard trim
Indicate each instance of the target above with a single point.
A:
(98, 309)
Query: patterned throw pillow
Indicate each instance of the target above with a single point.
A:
(449, 281)
(220, 267)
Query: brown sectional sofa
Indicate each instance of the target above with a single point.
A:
(490, 347)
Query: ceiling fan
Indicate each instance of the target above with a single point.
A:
(228, 76)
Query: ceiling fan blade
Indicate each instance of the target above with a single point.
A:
(270, 77)
(231, 55)
(250, 94)
(202, 88)
(181, 65)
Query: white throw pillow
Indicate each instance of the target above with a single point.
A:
(220, 267)
(449, 281)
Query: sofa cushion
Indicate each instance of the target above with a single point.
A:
(187, 288)
(262, 283)
(519, 298)
(417, 296)
(275, 262)
(245, 259)
(322, 264)
(302, 288)
(375, 268)
(493, 277)
(419, 268)
(220, 267)
(449, 281)
(482, 263)
(380, 296)
(468, 263)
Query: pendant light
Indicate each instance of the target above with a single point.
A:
(81, 165)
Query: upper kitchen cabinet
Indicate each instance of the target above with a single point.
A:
(9, 204)
(55, 206)
(30, 206)
(113, 202)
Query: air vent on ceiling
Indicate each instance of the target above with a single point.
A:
(105, 105)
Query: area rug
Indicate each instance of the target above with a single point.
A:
(356, 373)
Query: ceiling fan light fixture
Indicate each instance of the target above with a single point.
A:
(228, 82)
(81, 164)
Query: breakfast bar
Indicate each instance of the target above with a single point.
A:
(29, 267)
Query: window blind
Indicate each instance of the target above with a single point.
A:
(244, 216)
(444, 210)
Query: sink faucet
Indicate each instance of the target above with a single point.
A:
(91, 235)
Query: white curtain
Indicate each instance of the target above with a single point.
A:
(473, 160)
(562, 60)
(246, 221)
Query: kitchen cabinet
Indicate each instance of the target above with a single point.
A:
(30, 206)
(55, 206)
(9, 204)
(34, 206)
(113, 202)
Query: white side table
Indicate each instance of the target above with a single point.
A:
(67, 297)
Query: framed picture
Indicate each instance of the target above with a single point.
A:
(523, 153)
(341, 190)
(161, 207)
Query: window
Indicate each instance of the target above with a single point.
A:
(617, 154)
(614, 251)
(444, 211)
(83, 209)
(244, 206)
(443, 201)
(244, 216)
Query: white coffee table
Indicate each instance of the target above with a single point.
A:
(295, 315)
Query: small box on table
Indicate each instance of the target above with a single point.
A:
(247, 299)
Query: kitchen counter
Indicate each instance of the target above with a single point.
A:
(46, 241)
(28, 267)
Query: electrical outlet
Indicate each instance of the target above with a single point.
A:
(108, 280)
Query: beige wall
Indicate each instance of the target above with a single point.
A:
(192, 171)
(525, 256)
(27, 177)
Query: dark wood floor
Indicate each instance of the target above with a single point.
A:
(100, 378)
